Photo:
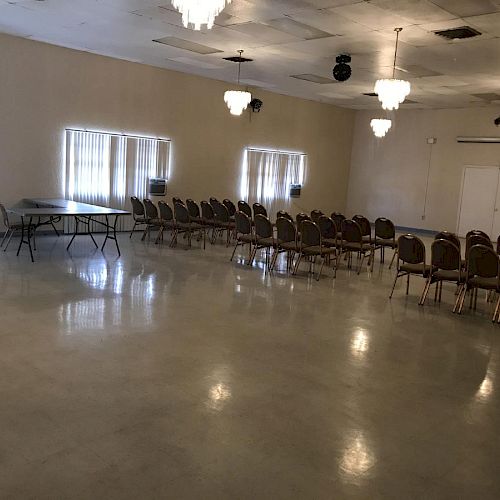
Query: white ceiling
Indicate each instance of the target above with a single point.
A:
(442, 73)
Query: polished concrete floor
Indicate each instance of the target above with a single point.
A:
(176, 374)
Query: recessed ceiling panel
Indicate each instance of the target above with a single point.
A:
(314, 78)
(179, 43)
(464, 8)
(297, 29)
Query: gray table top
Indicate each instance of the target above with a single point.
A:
(61, 207)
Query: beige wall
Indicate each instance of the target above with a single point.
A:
(45, 88)
(388, 176)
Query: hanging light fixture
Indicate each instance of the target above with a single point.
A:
(391, 91)
(195, 13)
(237, 100)
(380, 126)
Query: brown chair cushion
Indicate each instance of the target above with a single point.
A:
(415, 269)
(385, 243)
(445, 275)
(485, 283)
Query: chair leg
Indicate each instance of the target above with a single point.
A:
(497, 308)
(234, 250)
(458, 295)
(321, 268)
(12, 231)
(425, 291)
(296, 268)
(393, 258)
(408, 284)
(361, 263)
(160, 235)
(4, 237)
(394, 285)
(133, 229)
(254, 253)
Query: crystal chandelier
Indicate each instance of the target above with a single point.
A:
(380, 126)
(237, 100)
(198, 12)
(391, 91)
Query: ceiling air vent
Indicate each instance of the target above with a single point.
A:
(458, 33)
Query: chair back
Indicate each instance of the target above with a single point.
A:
(338, 218)
(286, 229)
(230, 207)
(243, 223)
(327, 227)
(498, 245)
(207, 211)
(310, 234)
(446, 255)
(151, 210)
(411, 249)
(166, 213)
(137, 206)
(176, 200)
(5, 216)
(301, 217)
(193, 208)
(351, 231)
(181, 213)
(221, 213)
(214, 202)
(364, 224)
(477, 232)
(244, 207)
(482, 261)
(259, 209)
(315, 215)
(384, 229)
(476, 239)
(446, 235)
(263, 226)
(285, 215)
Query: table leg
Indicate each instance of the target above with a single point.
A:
(114, 237)
(74, 234)
(30, 225)
(22, 237)
(89, 221)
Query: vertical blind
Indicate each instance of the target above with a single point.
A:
(106, 169)
(267, 176)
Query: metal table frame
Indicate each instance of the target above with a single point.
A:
(55, 209)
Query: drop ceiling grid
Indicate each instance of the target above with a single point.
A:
(274, 33)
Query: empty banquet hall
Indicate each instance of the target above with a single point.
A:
(250, 249)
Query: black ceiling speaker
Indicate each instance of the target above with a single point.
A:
(256, 105)
(342, 71)
(497, 121)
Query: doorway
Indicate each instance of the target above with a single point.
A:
(478, 205)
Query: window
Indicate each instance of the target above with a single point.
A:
(267, 176)
(105, 169)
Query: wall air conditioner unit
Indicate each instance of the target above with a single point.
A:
(295, 190)
(157, 186)
(479, 140)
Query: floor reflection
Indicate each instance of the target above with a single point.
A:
(358, 457)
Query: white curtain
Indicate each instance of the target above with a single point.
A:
(88, 167)
(267, 176)
(106, 169)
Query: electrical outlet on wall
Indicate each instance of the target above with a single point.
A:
(423, 217)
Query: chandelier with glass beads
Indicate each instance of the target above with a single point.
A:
(392, 91)
(196, 13)
(237, 100)
(380, 126)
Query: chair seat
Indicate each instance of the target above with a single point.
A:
(485, 283)
(356, 247)
(197, 220)
(141, 220)
(367, 238)
(246, 238)
(266, 242)
(385, 243)
(317, 250)
(446, 275)
(415, 269)
(289, 246)
(330, 242)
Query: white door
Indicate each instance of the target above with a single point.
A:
(479, 195)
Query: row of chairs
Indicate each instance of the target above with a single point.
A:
(313, 236)
(184, 218)
(479, 270)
